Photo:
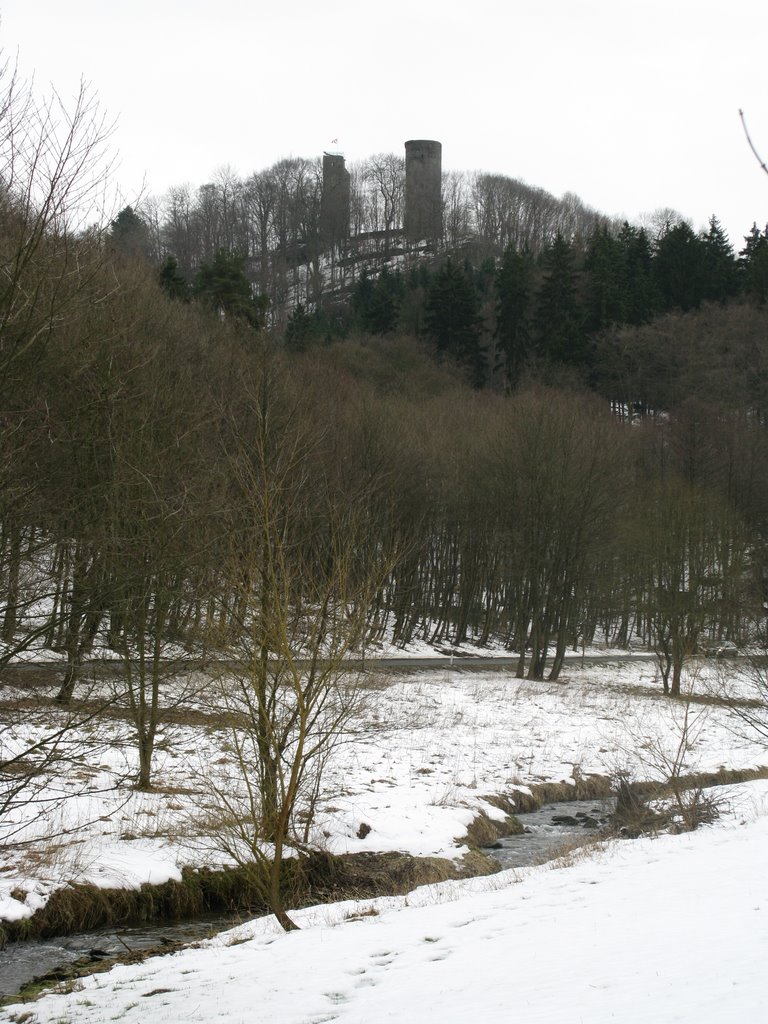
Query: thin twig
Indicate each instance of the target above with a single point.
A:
(751, 144)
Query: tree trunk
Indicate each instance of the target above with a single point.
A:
(275, 892)
(10, 618)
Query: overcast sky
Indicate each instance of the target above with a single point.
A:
(631, 105)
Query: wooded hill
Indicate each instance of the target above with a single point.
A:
(538, 448)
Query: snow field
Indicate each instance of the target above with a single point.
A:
(416, 767)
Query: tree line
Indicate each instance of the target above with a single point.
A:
(536, 451)
(517, 514)
(553, 317)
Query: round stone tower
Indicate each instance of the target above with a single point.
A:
(423, 180)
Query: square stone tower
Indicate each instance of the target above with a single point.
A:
(334, 204)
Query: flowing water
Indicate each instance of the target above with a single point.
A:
(22, 962)
(550, 828)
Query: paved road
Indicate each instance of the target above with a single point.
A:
(474, 663)
(459, 662)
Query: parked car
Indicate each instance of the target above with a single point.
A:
(718, 649)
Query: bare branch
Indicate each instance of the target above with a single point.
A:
(751, 144)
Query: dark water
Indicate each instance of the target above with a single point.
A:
(544, 834)
(22, 962)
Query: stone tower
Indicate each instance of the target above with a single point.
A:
(334, 206)
(423, 180)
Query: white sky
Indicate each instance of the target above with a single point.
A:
(631, 105)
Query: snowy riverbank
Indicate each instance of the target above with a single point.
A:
(646, 932)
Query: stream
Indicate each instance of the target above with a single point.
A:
(550, 828)
(21, 962)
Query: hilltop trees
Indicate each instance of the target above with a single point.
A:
(129, 233)
(514, 283)
(377, 304)
(720, 269)
(452, 319)
(754, 264)
(172, 281)
(559, 326)
(223, 287)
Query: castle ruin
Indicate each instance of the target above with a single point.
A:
(334, 204)
(423, 190)
(423, 194)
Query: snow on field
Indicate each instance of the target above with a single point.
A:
(654, 931)
(671, 929)
(416, 769)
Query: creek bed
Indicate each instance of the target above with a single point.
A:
(550, 828)
(23, 962)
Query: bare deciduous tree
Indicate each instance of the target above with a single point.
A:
(300, 577)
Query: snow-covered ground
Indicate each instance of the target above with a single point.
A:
(657, 930)
(647, 932)
(423, 757)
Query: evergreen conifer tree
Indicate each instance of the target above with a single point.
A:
(129, 233)
(172, 281)
(721, 279)
(224, 288)
(753, 262)
(384, 308)
(513, 308)
(560, 332)
(300, 329)
(452, 318)
(640, 294)
(362, 297)
(679, 266)
(605, 264)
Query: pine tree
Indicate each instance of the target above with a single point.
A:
(377, 304)
(753, 263)
(129, 233)
(384, 309)
(721, 277)
(224, 288)
(679, 267)
(172, 281)
(641, 299)
(513, 309)
(362, 297)
(300, 329)
(560, 333)
(606, 298)
(452, 318)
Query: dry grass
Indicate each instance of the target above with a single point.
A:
(575, 851)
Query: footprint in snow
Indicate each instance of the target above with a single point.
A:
(336, 997)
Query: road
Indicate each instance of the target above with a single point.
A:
(457, 662)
